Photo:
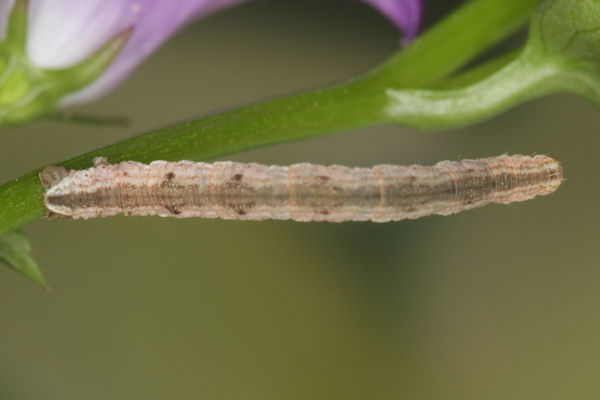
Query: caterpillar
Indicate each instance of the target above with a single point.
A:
(301, 192)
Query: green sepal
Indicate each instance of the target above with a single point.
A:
(85, 119)
(27, 91)
(17, 26)
(15, 252)
(87, 71)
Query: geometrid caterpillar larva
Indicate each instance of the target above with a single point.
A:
(302, 192)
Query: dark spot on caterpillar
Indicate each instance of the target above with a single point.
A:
(323, 177)
(173, 209)
(324, 212)
(241, 211)
(238, 177)
(471, 170)
(412, 178)
(168, 181)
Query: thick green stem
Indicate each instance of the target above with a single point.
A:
(524, 78)
(359, 103)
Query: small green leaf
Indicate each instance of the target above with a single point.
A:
(14, 251)
(568, 27)
(568, 33)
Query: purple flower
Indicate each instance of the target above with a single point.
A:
(73, 51)
(62, 33)
(406, 14)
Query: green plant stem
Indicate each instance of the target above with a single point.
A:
(524, 78)
(437, 53)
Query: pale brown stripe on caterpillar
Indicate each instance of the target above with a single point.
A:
(302, 192)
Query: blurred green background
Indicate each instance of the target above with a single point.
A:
(495, 303)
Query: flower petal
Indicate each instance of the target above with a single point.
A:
(406, 14)
(64, 32)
